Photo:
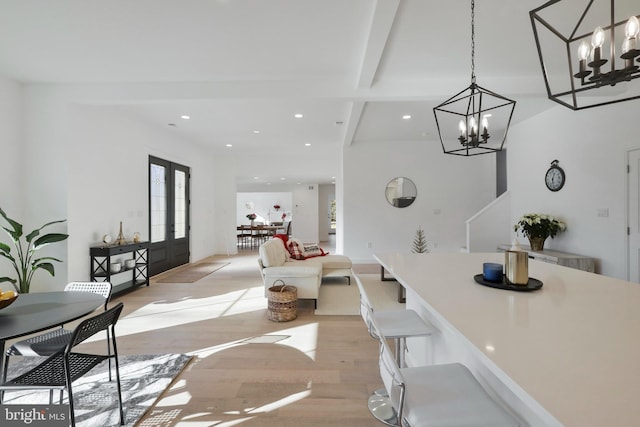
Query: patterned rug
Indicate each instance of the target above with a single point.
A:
(143, 379)
(191, 273)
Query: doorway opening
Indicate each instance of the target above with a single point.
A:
(332, 216)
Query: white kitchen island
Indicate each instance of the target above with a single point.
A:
(565, 355)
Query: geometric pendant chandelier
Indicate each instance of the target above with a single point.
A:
(475, 120)
(589, 51)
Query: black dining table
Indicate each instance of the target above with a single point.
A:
(36, 312)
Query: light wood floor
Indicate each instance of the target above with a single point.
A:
(249, 371)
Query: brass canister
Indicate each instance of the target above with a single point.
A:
(516, 265)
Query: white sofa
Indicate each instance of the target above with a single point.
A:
(306, 275)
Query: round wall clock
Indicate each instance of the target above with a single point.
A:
(554, 177)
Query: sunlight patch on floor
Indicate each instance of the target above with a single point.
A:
(303, 338)
(288, 400)
(167, 314)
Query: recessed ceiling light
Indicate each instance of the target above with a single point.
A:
(298, 116)
(333, 177)
(406, 117)
(229, 145)
(255, 177)
(185, 117)
(256, 131)
(307, 145)
(282, 179)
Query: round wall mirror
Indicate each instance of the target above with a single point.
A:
(400, 192)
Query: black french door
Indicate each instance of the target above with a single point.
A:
(168, 215)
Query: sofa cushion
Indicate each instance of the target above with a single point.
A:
(273, 253)
(334, 261)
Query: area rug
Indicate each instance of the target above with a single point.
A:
(143, 379)
(191, 273)
(338, 298)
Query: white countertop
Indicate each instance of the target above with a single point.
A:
(572, 346)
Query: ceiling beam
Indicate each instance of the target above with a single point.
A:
(381, 23)
(352, 122)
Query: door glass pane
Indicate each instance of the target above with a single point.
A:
(158, 203)
(180, 200)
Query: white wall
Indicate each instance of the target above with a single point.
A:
(305, 213)
(92, 165)
(327, 193)
(591, 146)
(223, 193)
(450, 190)
(11, 146)
(489, 227)
(111, 184)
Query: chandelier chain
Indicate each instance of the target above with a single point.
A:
(473, 41)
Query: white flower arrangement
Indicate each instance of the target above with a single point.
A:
(539, 225)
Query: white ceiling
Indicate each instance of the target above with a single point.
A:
(352, 67)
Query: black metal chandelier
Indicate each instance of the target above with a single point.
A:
(463, 121)
(592, 59)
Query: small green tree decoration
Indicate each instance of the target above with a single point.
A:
(420, 242)
(23, 262)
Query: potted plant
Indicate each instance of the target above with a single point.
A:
(537, 227)
(23, 260)
(251, 217)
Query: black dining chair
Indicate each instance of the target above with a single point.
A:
(55, 340)
(60, 370)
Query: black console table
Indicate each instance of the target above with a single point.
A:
(102, 256)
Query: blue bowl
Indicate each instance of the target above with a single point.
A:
(492, 271)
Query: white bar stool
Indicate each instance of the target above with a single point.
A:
(434, 395)
(397, 325)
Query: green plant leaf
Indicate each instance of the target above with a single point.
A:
(8, 256)
(36, 232)
(7, 279)
(15, 237)
(5, 248)
(46, 266)
(17, 227)
(47, 258)
(48, 239)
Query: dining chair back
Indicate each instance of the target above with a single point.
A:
(60, 370)
(103, 289)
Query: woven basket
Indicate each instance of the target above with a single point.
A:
(283, 302)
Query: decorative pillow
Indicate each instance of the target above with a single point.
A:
(311, 251)
(296, 248)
